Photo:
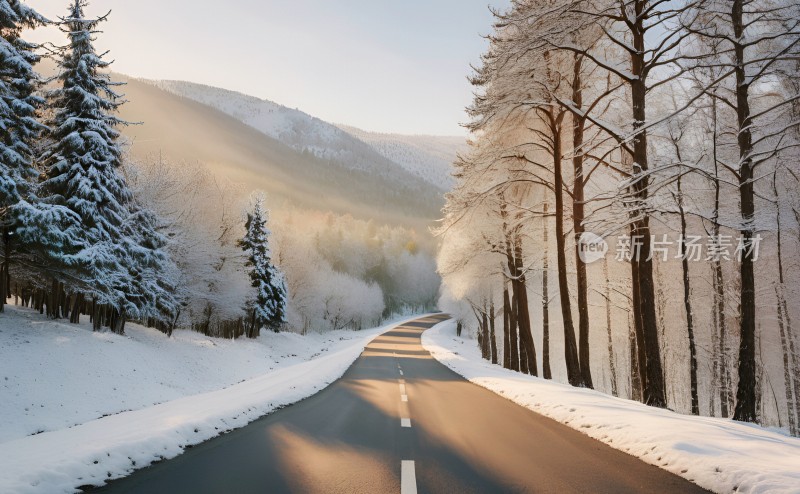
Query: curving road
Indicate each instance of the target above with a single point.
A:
(399, 421)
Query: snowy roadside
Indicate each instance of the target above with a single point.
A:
(716, 454)
(104, 448)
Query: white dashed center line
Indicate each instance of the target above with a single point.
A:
(408, 477)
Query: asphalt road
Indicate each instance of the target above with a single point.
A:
(399, 421)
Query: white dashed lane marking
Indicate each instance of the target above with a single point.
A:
(408, 477)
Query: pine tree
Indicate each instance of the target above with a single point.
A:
(100, 241)
(269, 307)
(18, 125)
(152, 277)
(81, 166)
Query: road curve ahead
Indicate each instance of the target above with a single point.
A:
(400, 422)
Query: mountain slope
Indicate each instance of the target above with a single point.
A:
(316, 177)
(428, 157)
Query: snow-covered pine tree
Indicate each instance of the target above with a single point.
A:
(81, 165)
(18, 125)
(108, 246)
(152, 276)
(269, 307)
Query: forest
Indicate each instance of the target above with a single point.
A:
(627, 216)
(90, 230)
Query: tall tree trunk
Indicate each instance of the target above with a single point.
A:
(514, 333)
(506, 326)
(721, 375)
(484, 332)
(546, 372)
(119, 322)
(492, 339)
(746, 389)
(687, 303)
(577, 222)
(523, 356)
(715, 380)
(787, 368)
(3, 294)
(513, 324)
(570, 347)
(638, 349)
(5, 274)
(53, 302)
(636, 375)
(75, 315)
(480, 335)
(96, 311)
(654, 389)
(479, 316)
(523, 315)
(611, 360)
(785, 326)
(795, 361)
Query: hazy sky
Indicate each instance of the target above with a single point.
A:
(382, 65)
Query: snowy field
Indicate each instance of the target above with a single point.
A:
(717, 454)
(79, 407)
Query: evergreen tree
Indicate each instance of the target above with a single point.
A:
(100, 241)
(269, 307)
(81, 166)
(152, 278)
(18, 125)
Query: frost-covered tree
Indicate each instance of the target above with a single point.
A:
(677, 116)
(18, 124)
(198, 214)
(759, 42)
(151, 275)
(269, 307)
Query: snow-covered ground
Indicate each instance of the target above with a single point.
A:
(78, 407)
(717, 454)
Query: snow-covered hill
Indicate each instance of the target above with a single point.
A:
(179, 129)
(427, 157)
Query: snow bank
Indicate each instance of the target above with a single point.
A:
(717, 454)
(112, 446)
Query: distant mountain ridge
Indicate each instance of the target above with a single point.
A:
(427, 157)
(179, 130)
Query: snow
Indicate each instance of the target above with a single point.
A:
(428, 157)
(717, 454)
(425, 157)
(298, 130)
(110, 404)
